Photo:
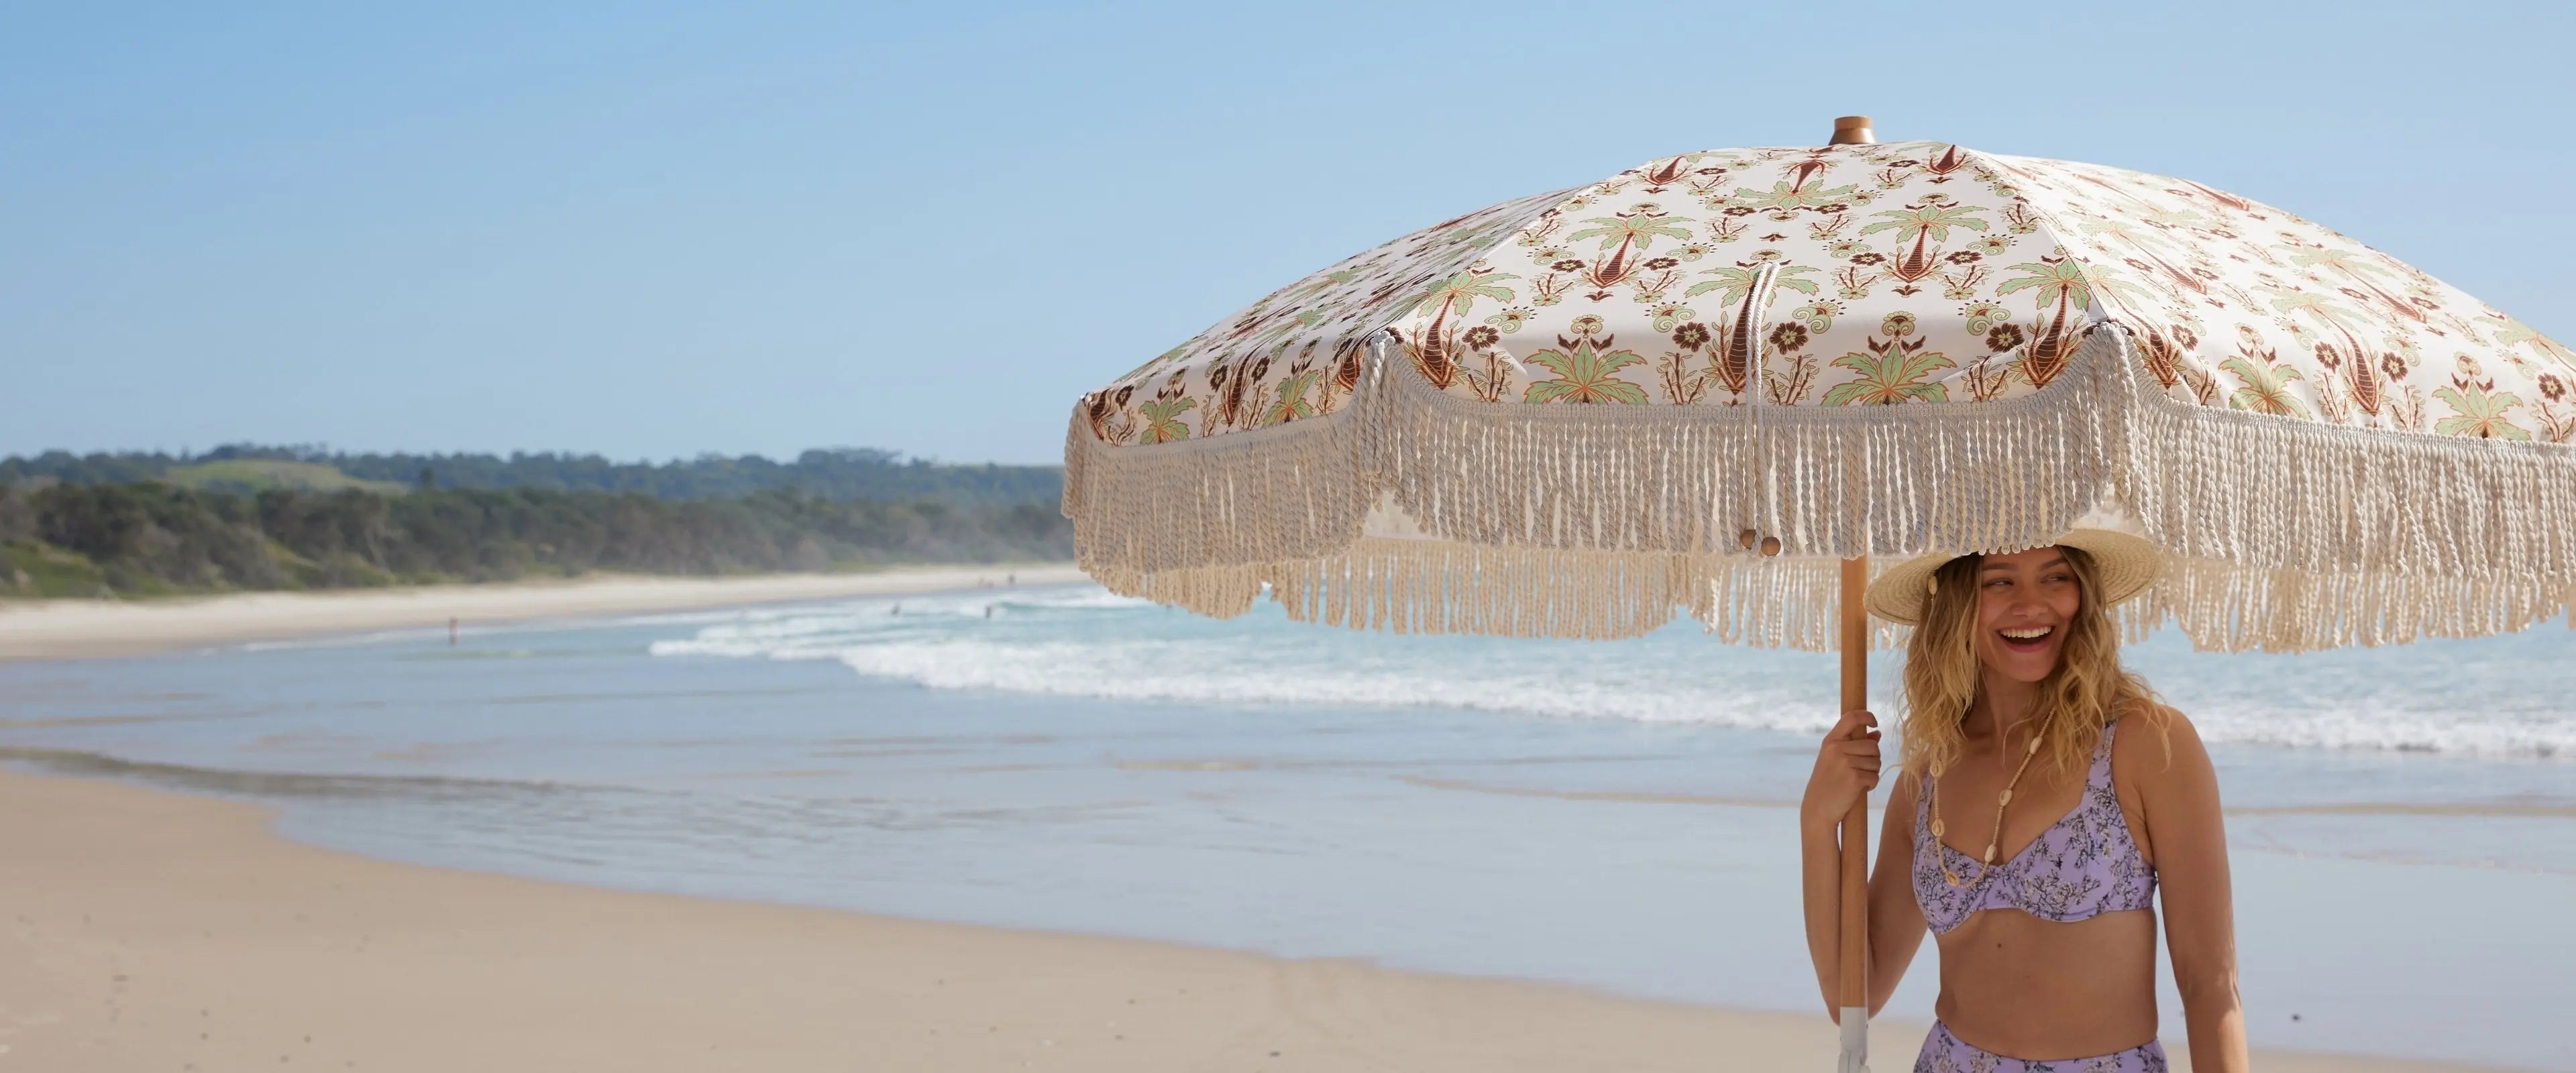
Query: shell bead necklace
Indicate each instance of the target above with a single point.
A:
(1994, 839)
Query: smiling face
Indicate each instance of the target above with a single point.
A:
(2025, 603)
(2014, 638)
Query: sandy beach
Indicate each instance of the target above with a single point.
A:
(154, 929)
(150, 930)
(74, 629)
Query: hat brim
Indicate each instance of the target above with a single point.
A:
(2126, 564)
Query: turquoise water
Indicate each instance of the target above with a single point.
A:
(1615, 815)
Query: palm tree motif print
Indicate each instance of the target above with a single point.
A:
(1922, 228)
(1163, 422)
(2359, 271)
(1660, 175)
(2057, 281)
(1435, 351)
(2476, 411)
(2062, 291)
(2511, 333)
(1635, 229)
(1586, 373)
(1943, 163)
(1330, 311)
(1733, 361)
(2331, 331)
(1791, 194)
(1458, 292)
(1291, 404)
(1891, 371)
(2477, 408)
(2154, 254)
(1735, 281)
(2267, 384)
(2166, 350)
(2349, 359)
(1623, 236)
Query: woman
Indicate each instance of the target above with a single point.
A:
(2044, 797)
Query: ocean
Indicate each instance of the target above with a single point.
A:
(1617, 815)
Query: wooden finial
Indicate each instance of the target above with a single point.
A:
(1853, 130)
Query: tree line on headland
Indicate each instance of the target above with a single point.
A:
(134, 524)
(837, 473)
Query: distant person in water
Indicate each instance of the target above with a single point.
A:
(2044, 794)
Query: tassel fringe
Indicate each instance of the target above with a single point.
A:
(1605, 521)
(1423, 586)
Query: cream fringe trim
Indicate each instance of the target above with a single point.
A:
(1427, 586)
(1603, 521)
(2230, 608)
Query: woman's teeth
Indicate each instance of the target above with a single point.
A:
(2032, 634)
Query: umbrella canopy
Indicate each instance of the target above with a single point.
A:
(1575, 413)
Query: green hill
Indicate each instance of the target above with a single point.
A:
(260, 474)
(150, 538)
(838, 474)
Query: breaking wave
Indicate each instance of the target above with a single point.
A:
(2496, 697)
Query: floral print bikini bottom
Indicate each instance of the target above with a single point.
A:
(1945, 1053)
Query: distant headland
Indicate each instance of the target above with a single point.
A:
(255, 518)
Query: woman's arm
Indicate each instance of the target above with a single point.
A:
(2188, 839)
(1895, 919)
(1847, 767)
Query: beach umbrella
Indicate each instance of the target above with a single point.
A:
(1723, 382)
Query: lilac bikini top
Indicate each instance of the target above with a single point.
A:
(2081, 867)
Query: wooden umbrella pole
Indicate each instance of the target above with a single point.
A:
(1854, 975)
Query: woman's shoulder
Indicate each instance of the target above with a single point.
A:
(2149, 710)
(1904, 796)
(2155, 739)
(1906, 786)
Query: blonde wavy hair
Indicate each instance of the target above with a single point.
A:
(2086, 692)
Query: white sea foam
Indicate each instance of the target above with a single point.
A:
(1161, 671)
(2389, 727)
(2503, 697)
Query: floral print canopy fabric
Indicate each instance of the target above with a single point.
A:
(1563, 414)
(1873, 275)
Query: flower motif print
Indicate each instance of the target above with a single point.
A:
(1999, 266)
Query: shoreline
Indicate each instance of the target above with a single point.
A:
(172, 928)
(92, 629)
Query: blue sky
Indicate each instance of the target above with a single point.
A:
(659, 230)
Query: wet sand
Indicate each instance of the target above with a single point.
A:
(152, 930)
(76, 629)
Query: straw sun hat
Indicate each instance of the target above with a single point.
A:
(2126, 563)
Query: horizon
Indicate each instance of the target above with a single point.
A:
(316, 451)
(661, 233)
